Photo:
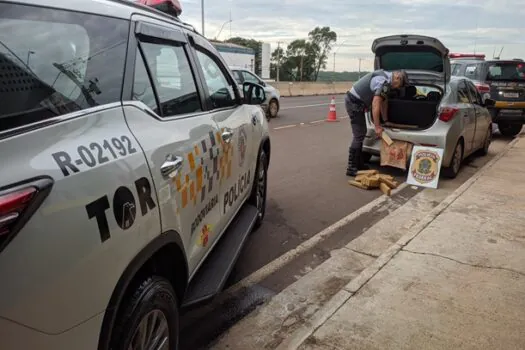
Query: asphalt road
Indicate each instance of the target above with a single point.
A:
(307, 191)
(297, 110)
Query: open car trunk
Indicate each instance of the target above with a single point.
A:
(426, 62)
(413, 109)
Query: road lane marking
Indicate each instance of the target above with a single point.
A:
(304, 124)
(313, 105)
(285, 127)
(280, 262)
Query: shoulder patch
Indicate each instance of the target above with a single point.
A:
(385, 90)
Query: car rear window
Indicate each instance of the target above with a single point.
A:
(472, 71)
(506, 71)
(54, 62)
(428, 61)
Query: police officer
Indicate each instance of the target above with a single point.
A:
(372, 90)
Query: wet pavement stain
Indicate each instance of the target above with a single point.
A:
(198, 330)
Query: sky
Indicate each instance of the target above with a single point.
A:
(482, 26)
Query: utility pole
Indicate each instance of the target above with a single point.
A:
(338, 47)
(359, 74)
(301, 72)
(278, 59)
(202, 17)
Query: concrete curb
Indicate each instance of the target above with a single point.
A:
(332, 306)
(284, 259)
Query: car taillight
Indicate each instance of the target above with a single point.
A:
(11, 207)
(483, 88)
(18, 204)
(446, 114)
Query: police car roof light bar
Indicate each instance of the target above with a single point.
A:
(170, 7)
(467, 55)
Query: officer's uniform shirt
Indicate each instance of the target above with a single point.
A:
(379, 85)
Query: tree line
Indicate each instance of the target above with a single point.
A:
(302, 60)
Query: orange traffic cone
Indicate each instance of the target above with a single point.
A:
(332, 116)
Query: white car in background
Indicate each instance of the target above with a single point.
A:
(271, 105)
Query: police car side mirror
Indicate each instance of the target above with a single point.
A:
(253, 93)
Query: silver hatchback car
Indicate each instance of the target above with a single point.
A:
(436, 110)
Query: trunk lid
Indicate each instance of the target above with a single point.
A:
(425, 59)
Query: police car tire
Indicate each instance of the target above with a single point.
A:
(154, 293)
(262, 161)
(508, 129)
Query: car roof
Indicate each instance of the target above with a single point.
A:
(123, 9)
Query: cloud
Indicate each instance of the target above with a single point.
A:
(462, 25)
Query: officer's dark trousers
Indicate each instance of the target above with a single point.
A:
(356, 112)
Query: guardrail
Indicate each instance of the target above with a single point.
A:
(298, 88)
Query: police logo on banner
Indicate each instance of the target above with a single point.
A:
(425, 166)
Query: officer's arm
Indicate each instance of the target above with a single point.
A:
(384, 110)
(380, 89)
(377, 103)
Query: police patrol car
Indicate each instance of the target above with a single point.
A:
(133, 170)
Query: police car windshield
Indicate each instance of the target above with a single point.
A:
(506, 71)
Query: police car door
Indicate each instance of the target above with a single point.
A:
(235, 123)
(178, 137)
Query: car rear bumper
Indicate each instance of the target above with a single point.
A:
(510, 114)
(372, 144)
(82, 337)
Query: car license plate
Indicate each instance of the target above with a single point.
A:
(511, 94)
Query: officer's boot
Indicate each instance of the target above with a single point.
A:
(352, 167)
(360, 160)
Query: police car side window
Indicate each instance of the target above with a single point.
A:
(54, 62)
(221, 92)
(142, 88)
(456, 67)
(171, 74)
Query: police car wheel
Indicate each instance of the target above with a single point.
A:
(509, 130)
(150, 318)
(258, 196)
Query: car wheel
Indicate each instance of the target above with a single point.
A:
(258, 196)
(486, 145)
(455, 164)
(509, 130)
(150, 318)
(273, 108)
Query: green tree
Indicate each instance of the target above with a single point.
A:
(303, 59)
(323, 39)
